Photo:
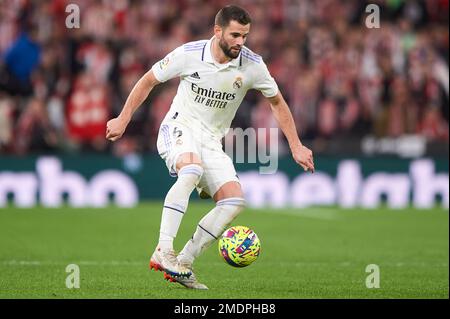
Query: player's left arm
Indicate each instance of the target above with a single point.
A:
(301, 154)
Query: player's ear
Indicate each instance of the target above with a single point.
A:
(218, 31)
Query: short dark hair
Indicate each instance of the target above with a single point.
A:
(228, 13)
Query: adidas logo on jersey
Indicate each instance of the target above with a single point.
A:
(195, 75)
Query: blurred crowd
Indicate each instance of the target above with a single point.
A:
(59, 85)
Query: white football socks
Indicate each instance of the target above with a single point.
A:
(176, 203)
(211, 227)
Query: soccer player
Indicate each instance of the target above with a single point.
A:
(215, 76)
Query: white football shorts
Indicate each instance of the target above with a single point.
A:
(175, 139)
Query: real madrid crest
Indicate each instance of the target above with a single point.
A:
(237, 84)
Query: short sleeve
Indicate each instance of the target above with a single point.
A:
(264, 82)
(171, 66)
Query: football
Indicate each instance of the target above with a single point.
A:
(239, 246)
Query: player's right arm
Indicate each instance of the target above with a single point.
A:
(168, 68)
(116, 127)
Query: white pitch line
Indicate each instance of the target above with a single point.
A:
(279, 264)
(80, 263)
(314, 213)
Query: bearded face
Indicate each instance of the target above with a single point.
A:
(228, 49)
(232, 38)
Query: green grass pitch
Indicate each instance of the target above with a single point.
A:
(306, 253)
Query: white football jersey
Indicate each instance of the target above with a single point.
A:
(210, 93)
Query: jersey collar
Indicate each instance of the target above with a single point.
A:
(207, 56)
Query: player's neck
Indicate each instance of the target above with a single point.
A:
(217, 53)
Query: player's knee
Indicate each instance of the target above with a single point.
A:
(232, 206)
(191, 172)
(187, 159)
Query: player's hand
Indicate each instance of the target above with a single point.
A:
(115, 128)
(304, 157)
